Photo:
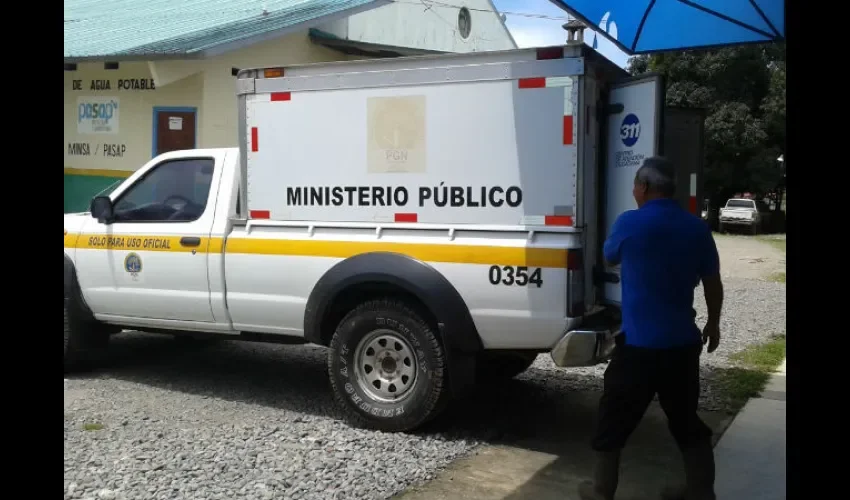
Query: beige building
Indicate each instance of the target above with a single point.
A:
(149, 77)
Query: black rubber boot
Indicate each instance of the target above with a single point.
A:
(699, 475)
(606, 474)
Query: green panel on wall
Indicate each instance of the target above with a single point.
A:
(79, 190)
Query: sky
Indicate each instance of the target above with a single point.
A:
(529, 31)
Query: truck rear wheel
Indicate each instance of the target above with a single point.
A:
(387, 367)
(82, 338)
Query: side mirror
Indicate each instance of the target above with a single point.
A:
(101, 209)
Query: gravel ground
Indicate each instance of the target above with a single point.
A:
(233, 420)
(226, 421)
(753, 312)
(748, 257)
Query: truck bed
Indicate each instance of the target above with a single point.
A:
(435, 144)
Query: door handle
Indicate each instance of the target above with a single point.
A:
(190, 241)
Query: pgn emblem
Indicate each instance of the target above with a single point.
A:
(630, 130)
(133, 264)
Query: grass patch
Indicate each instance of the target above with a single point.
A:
(777, 243)
(764, 357)
(777, 277)
(755, 366)
(92, 426)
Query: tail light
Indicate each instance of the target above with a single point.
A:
(273, 72)
(575, 283)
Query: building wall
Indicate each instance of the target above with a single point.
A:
(94, 161)
(219, 127)
(411, 24)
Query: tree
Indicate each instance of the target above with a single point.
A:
(743, 90)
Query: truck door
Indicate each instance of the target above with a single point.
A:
(152, 261)
(632, 132)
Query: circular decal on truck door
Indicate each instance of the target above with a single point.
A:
(133, 263)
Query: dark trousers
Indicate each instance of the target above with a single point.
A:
(633, 377)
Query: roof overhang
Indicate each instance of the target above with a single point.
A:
(196, 56)
(368, 49)
(218, 49)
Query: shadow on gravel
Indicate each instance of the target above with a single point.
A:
(294, 378)
(278, 376)
(530, 416)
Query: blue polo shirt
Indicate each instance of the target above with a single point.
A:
(663, 252)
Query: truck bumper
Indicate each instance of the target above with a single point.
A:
(585, 346)
(737, 222)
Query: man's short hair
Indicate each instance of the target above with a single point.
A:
(658, 174)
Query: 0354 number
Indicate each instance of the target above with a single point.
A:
(519, 276)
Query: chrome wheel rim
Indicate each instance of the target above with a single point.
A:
(386, 366)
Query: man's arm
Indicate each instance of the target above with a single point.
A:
(713, 288)
(611, 248)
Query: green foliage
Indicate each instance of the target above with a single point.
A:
(743, 90)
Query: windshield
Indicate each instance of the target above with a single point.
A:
(740, 204)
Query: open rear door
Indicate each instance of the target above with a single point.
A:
(633, 132)
(684, 145)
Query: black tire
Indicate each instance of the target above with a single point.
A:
(721, 228)
(497, 366)
(754, 229)
(422, 401)
(83, 339)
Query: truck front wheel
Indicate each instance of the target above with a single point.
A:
(387, 367)
(82, 338)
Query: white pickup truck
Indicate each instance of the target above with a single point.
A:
(751, 214)
(430, 220)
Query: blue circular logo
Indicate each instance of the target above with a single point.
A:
(630, 130)
(133, 263)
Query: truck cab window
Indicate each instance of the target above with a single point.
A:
(740, 203)
(173, 191)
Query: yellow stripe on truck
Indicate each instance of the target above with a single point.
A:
(428, 252)
(70, 240)
(135, 243)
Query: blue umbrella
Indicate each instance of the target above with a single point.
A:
(646, 26)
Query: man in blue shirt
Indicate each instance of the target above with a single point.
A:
(663, 252)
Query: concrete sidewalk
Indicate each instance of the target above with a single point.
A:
(545, 451)
(750, 455)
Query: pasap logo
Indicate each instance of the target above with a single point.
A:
(630, 130)
(97, 115)
(103, 111)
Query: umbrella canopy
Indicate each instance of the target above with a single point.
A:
(646, 26)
